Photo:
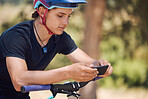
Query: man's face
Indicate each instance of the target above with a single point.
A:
(57, 19)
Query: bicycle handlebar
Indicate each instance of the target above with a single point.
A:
(28, 88)
(68, 88)
(71, 86)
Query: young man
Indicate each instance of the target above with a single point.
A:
(28, 47)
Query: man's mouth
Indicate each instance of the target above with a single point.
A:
(62, 28)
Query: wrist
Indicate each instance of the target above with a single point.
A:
(67, 71)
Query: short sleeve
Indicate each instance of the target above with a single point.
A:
(14, 44)
(67, 44)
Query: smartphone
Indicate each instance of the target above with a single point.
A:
(101, 69)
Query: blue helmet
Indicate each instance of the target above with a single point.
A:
(50, 4)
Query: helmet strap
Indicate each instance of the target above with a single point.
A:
(44, 21)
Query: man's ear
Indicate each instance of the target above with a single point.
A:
(42, 10)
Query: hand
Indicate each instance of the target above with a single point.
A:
(102, 62)
(82, 72)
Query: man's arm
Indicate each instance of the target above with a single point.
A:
(20, 75)
(80, 56)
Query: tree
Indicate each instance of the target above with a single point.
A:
(94, 18)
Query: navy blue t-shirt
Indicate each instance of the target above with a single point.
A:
(20, 41)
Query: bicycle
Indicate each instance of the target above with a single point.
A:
(69, 88)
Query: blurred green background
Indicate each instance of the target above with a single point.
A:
(124, 40)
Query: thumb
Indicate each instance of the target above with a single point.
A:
(91, 65)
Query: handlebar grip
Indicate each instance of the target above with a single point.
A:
(25, 89)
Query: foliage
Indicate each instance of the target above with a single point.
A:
(124, 42)
(127, 72)
(28, 1)
(19, 18)
(16, 2)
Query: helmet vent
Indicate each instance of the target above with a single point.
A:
(50, 3)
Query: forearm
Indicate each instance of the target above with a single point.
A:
(41, 77)
(44, 77)
(78, 56)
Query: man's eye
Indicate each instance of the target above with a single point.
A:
(60, 16)
(69, 16)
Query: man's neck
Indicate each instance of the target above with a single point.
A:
(42, 32)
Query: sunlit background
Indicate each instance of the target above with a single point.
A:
(124, 43)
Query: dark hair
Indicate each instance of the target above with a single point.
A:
(35, 14)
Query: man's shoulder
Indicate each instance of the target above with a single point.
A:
(27, 25)
(19, 29)
(64, 34)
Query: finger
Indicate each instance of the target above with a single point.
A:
(109, 71)
(89, 70)
(88, 77)
(96, 63)
(85, 77)
(91, 65)
(108, 68)
(103, 62)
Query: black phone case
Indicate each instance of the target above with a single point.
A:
(101, 69)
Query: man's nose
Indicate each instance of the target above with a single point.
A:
(66, 21)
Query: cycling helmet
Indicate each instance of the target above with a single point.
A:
(50, 4)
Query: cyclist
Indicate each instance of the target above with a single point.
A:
(28, 47)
